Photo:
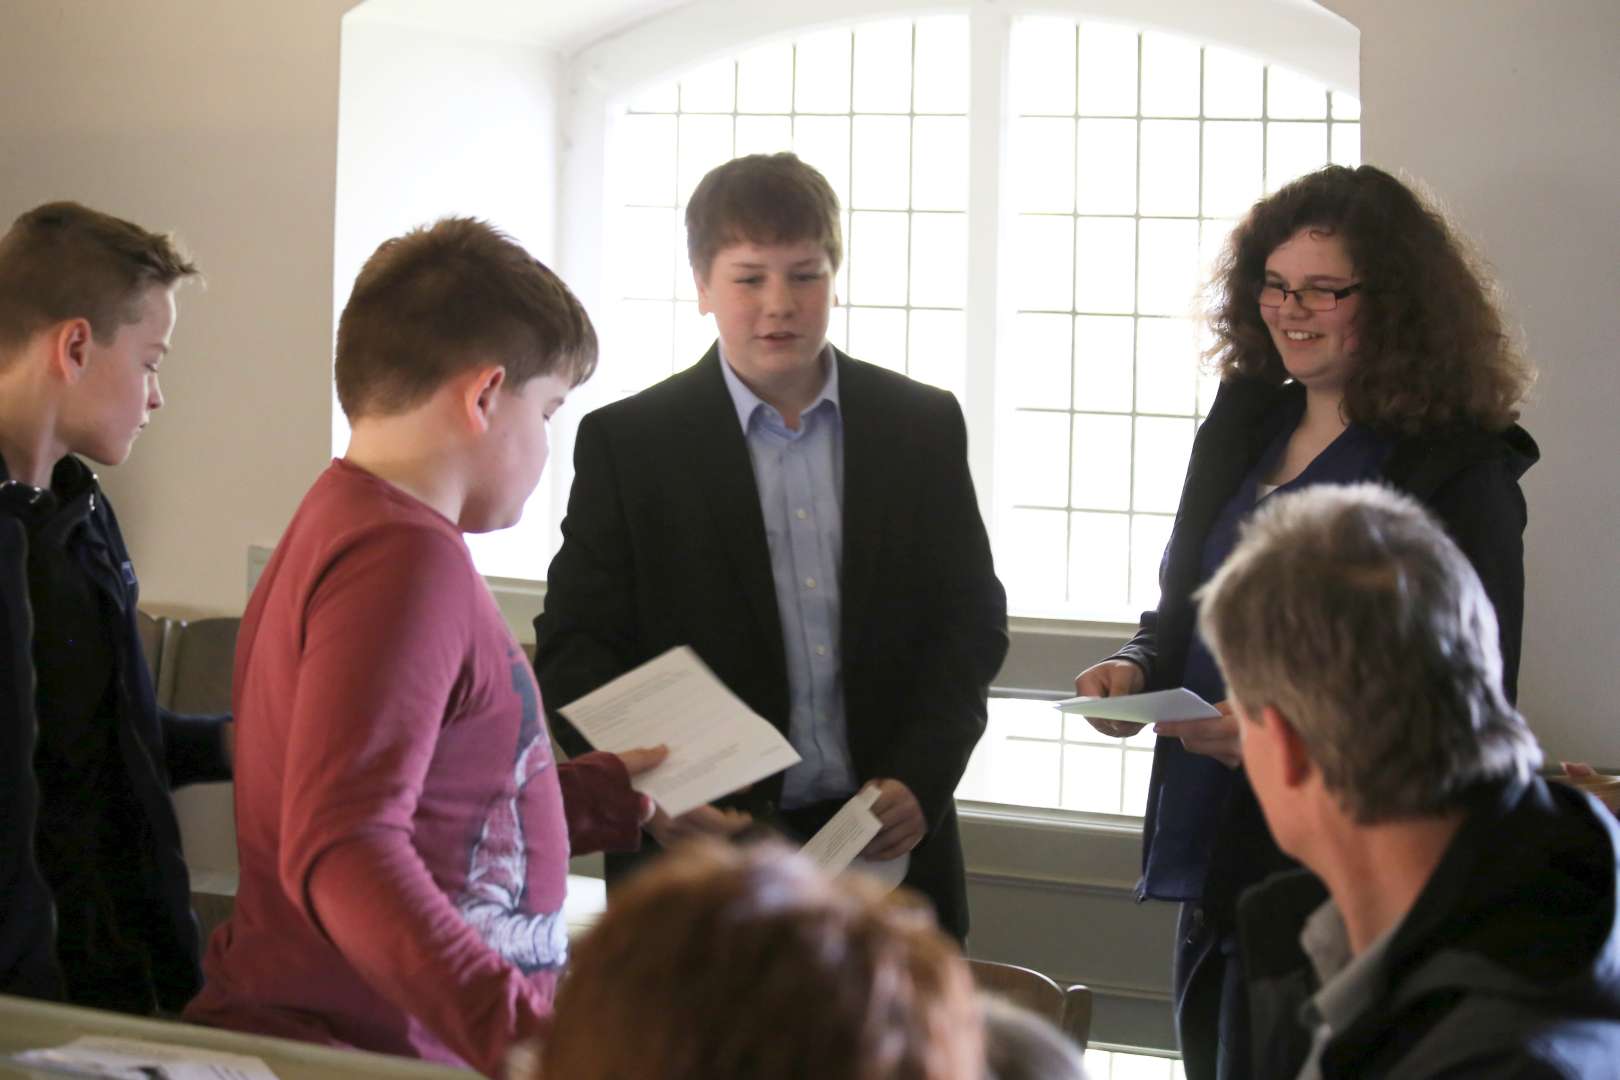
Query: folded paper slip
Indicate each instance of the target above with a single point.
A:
(1155, 707)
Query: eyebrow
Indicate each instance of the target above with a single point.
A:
(813, 260)
(1312, 278)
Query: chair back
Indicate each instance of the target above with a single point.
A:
(197, 665)
(1067, 1009)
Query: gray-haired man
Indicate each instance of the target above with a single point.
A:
(1468, 922)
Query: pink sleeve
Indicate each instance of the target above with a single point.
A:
(384, 650)
(604, 812)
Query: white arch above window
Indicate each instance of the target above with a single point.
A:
(1300, 34)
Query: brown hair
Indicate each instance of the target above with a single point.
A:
(66, 261)
(444, 298)
(720, 963)
(1432, 351)
(766, 199)
(1350, 611)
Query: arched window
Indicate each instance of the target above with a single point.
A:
(1053, 292)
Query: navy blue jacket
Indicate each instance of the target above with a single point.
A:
(159, 749)
(1507, 965)
(1468, 479)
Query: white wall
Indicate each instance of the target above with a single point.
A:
(1507, 109)
(431, 124)
(218, 121)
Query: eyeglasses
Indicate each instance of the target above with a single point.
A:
(1274, 296)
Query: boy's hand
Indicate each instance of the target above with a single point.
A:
(702, 821)
(639, 761)
(903, 822)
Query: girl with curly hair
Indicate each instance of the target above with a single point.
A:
(1356, 340)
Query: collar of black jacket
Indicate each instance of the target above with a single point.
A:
(51, 514)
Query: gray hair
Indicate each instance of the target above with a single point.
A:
(1350, 611)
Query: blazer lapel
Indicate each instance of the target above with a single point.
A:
(725, 473)
(869, 458)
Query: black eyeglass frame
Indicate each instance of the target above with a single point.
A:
(1336, 294)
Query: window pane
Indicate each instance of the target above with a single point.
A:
(657, 99)
(938, 259)
(643, 259)
(1103, 347)
(939, 164)
(1102, 446)
(1026, 719)
(881, 162)
(1162, 446)
(938, 350)
(1232, 166)
(838, 327)
(1293, 150)
(1091, 779)
(1150, 533)
(1011, 770)
(765, 80)
(694, 333)
(1213, 234)
(1166, 366)
(1106, 160)
(877, 258)
(1347, 145)
(711, 88)
(821, 72)
(649, 175)
(1170, 76)
(878, 336)
(1107, 70)
(641, 343)
(1098, 549)
(1234, 85)
(1030, 555)
(823, 141)
(1346, 107)
(941, 65)
(1291, 96)
(1169, 267)
(1038, 366)
(1043, 263)
(1170, 167)
(1039, 443)
(763, 134)
(705, 143)
(1043, 52)
(883, 67)
(1105, 265)
(1043, 164)
(1138, 770)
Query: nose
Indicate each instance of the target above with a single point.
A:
(154, 395)
(779, 299)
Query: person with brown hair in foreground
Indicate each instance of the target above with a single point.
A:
(723, 963)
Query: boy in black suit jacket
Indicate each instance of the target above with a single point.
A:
(804, 521)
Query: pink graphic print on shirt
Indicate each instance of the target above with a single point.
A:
(490, 902)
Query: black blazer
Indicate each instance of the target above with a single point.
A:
(664, 545)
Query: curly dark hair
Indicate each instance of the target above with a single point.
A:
(1433, 354)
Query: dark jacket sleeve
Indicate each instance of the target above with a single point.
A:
(194, 748)
(1483, 510)
(968, 641)
(584, 637)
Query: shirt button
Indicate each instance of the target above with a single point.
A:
(809, 582)
(821, 650)
(802, 515)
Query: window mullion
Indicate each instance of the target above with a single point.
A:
(989, 32)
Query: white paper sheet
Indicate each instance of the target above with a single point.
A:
(1157, 707)
(137, 1059)
(837, 843)
(716, 743)
(886, 872)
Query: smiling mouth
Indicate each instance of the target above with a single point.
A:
(1301, 335)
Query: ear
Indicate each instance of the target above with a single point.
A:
(70, 349)
(1294, 758)
(701, 281)
(480, 395)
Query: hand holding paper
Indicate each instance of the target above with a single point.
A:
(1155, 707)
(716, 743)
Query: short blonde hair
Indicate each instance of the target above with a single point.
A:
(719, 963)
(1351, 612)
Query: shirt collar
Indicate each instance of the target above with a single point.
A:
(748, 403)
(1349, 984)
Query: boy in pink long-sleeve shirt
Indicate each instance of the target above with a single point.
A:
(403, 830)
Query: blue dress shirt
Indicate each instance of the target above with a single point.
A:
(800, 479)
